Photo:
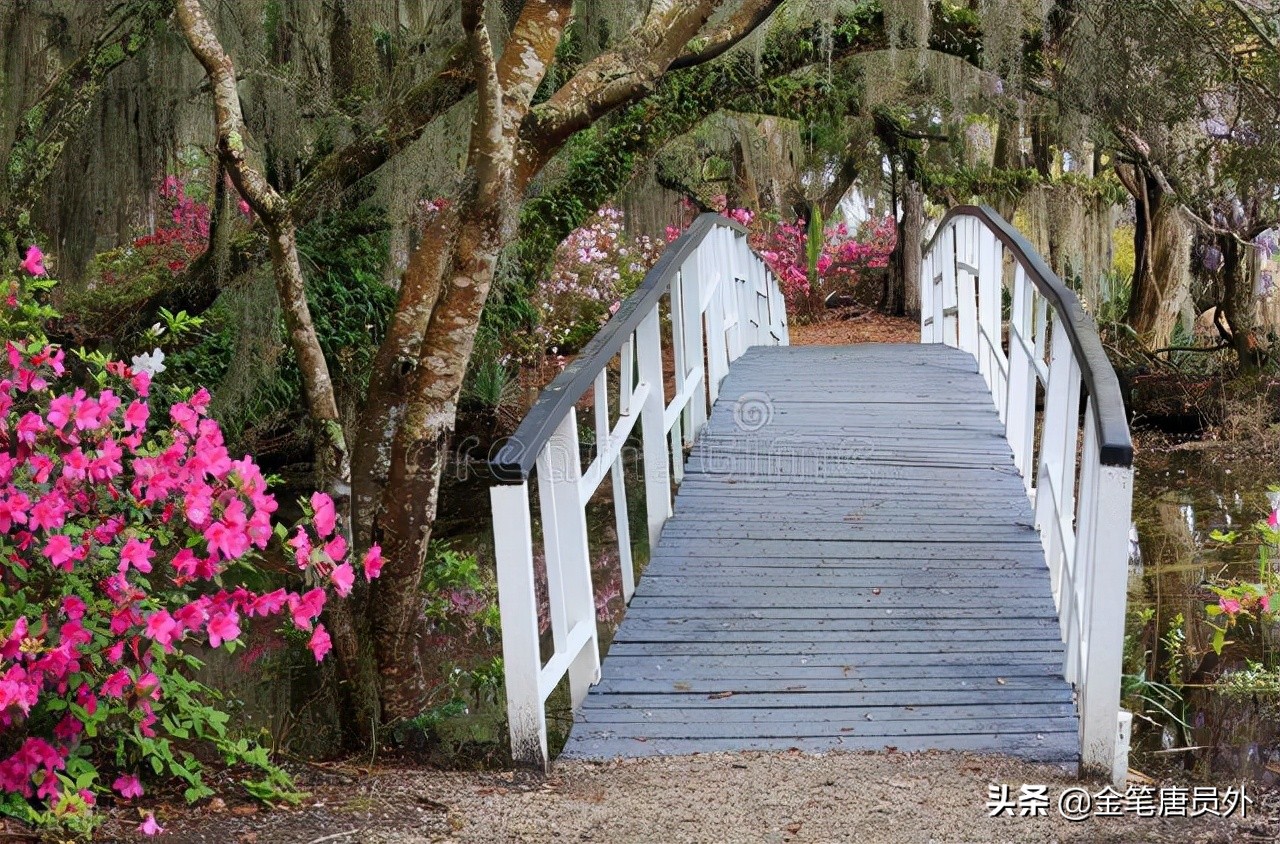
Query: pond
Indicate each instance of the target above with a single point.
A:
(1199, 710)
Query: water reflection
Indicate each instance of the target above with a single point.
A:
(1181, 498)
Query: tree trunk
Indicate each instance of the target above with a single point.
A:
(1162, 250)
(1238, 306)
(907, 258)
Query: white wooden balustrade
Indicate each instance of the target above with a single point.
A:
(1039, 363)
(708, 299)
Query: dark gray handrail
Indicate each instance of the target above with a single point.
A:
(514, 462)
(1100, 381)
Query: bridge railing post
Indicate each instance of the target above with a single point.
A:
(1104, 727)
(518, 607)
(657, 474)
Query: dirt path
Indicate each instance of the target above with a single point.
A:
(849, 325)
(753, 797)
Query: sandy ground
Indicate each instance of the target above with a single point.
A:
(750, 797)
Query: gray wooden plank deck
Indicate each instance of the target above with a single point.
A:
(851, 564)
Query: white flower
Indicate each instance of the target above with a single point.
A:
(151, 363)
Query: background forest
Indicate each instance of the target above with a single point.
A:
(354, 238)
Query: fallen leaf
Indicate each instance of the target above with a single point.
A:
(683, 687)
(793, 828)
(1002, 681)
(719, 695)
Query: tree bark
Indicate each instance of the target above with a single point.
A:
(1162, 250)
(907, 257)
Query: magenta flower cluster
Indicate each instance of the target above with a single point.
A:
(120, 535)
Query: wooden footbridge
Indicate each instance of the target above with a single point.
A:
(871, 546)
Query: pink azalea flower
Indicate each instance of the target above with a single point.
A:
(128, 786)
(326, 517)
(1230, 606)
(136, 416)
(149, 826)
(320, 643)
(137, 554)
(1273, 521)
(73, 607)
(343, 579)
(115, 685)
(33, 264)
(223, 627)
(305, 608)
(373, 562)
(58, 550)
(336, 548)
(161, 628)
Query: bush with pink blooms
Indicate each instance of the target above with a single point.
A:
(805, 274)
(128, 533)
(596, 267)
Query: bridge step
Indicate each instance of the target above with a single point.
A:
(851, 565)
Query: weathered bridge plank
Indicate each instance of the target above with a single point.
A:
(851, 564)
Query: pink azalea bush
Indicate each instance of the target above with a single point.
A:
(125, 532)
(841, 260)
(596, 267)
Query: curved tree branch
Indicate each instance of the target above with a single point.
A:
(751, 14)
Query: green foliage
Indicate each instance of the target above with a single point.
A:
(343, 256)
(490, 384)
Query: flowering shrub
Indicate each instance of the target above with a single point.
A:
(806, 274)
(595, 268)
(126, 538)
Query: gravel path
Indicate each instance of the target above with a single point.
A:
(753, 797)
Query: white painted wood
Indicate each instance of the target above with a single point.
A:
(695, 280)
(1020, 412)
(950, 323)
(717, 358)
(622, 522)
(990, 267)
(657, 473)
(564, 530)
(1102, 647)
(518, 607)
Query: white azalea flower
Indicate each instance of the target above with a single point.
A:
(151, 363)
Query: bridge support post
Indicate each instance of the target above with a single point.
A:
(1104, 727)
(518, 605)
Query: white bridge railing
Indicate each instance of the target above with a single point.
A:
(706, 301)
(1048, 355)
